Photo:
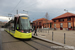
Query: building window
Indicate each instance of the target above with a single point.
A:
(61, 25)
(54, 25)
(69, 19)
(60, 20)
(69, 24)
(54, 20)
(39, 23)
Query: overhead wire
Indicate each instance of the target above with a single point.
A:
(16, 6)
(24, 8)
(30, 5)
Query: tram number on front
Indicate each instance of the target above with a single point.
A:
(24, 17)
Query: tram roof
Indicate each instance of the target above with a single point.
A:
(21, 15)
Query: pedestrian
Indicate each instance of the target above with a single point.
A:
(71, 27)
(35, 30)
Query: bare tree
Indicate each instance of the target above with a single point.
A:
(47, 16)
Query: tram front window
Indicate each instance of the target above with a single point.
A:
(25, 24)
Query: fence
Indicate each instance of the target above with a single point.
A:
(61, 36)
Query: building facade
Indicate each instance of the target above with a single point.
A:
(2, 24)
(64, 21)
(48, 24)
(43, 23)
(40, 22)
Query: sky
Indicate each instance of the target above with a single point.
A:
(5, 19)
(36, 8)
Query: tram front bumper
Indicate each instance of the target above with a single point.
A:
(22, 35)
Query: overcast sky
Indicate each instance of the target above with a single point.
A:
(37, 8)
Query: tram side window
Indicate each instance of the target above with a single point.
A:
(12, 26)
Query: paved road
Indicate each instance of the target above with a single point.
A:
(0, 40)
(10, 43)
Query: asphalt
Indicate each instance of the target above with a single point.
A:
(0, 40)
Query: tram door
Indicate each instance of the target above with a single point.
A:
(61, 26)
(16, 23)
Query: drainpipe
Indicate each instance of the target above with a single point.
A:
(73, 23)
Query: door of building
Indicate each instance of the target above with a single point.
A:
(69, 25)
(50, 25)
(61, 26)
(54, 26)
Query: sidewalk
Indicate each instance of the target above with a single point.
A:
(58, 36)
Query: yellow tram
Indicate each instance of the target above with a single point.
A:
(20, 27)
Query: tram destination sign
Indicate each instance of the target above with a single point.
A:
(24, 18)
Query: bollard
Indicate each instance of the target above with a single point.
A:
(52, 36)
(48, 31)
(41, 30)
(64, 38)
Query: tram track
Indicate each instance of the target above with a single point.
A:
(43, 45)
(38, 44)
(31, 45)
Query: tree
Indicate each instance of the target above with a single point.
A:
(47, 16)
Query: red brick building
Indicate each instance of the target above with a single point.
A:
(48, 24)
(43, 23)
(64, 21)
(40, 22)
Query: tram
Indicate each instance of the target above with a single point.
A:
(20, 28)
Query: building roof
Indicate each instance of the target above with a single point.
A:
(64, 15)
(40, 19)
(50, 21)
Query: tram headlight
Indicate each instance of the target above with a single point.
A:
(22, 31)
(30, 30)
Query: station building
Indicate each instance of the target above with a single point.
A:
(64, 21)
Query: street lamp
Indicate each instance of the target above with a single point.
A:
(65, 10)
(26, 11)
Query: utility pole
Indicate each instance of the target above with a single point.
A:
(9, 15)
(17, 11)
